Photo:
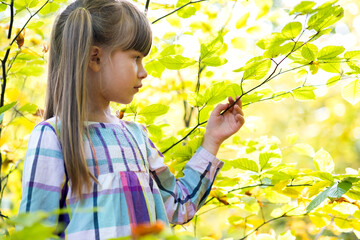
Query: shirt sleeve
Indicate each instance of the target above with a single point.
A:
(44, 172)
(184, 196)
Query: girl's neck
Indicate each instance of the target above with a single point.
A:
(101, 115)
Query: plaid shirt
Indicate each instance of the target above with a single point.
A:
(135, 186)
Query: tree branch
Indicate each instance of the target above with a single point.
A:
(177, 9)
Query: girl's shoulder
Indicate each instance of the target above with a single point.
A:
(48, 125)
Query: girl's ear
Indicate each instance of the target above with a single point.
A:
(96, 57)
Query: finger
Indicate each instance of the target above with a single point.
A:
(240, 119)
(219, 108)
(239, 102)
(231, 102)
(238, 110)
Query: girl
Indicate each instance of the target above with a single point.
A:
(83, 157)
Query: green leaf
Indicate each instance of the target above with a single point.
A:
(187, 11)
(195, 99)
(274, 40)
(352, 55)
(242, 20)
(332, 67)
(251, 98)
(174, 49)
(329, 52)
(154, 68)
(320, 33)
(50, 8)
(233, 90)
(208, 49)
(35, 71)
(2, 7)
(354, 67)
(214, 61)
(351, 92)
(333, 80)
(323, 161)
(353, 194)
(215, 94)
(335, 191)
(304, 7)
(304, 93)
(309, 52)
(268, 160)
(176, 62)
(255, 68)
(274, 52)
(325, 17)
(29, 107)
(292, 30)
(323, 175)
(154, 110)
(7, 107)
(245, 164)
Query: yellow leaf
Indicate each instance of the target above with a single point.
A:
(253, 29)
(239, 42)
(320, 220)
(242, 20)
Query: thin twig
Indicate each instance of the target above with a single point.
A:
(27, 22)
(177, 9)
(147, 6)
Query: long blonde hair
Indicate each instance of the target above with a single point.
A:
(110, 24)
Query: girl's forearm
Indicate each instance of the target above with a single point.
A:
(211, 145)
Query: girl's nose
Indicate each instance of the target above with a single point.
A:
(142, 72)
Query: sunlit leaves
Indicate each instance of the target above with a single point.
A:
(7, 107)
(323, 161)
(304, 93)
(333, 80)
(256, 68)
(291, 30)
(154, 110)
(335, 191)
(215, 94)
(325, 17)
(2, 7)
(269, 160)
(245, 164)
(303, 8)
(208, 50)
(309, 52)
(187, 11)
(176, 62)
(351, 92)
(242, 20)
(352, 55)
(330, 52)
(214, 61)
(274, 40)
(155, 68)
(50, 8)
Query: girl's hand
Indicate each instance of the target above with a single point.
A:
(220, 127)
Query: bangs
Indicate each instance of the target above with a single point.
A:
(139, 35)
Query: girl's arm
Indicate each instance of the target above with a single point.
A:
(184, 196)
(43, 174)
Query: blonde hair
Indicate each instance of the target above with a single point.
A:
(110, 24)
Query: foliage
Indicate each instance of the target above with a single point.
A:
(260, 193)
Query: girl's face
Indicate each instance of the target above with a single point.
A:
(121, 76)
